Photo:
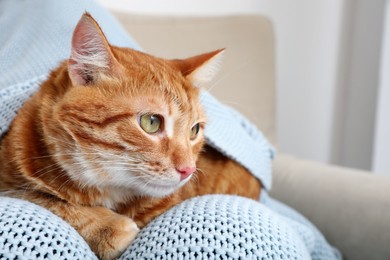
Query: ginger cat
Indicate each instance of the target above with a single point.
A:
(111, 139)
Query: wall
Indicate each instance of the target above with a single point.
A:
(308, 39)
(312, 64)
(184, 7)
(381, 154)
(361, 79)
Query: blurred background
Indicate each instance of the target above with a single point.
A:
(333, 72)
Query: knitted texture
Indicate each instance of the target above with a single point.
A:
(35, 36)
(206, 227)
(314, 241)
(28, 231)
(13, 97)
(219, 227)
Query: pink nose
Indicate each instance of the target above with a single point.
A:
(185, 172)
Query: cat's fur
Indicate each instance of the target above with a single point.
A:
(77, 148)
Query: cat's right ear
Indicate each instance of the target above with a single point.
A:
(200, 69)
(91, 54)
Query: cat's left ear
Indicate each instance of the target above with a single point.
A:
(91, 54)
(200, 69)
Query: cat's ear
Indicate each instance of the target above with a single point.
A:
(91, 54)
(200, 69)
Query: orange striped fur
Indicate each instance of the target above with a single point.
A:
(77, 146)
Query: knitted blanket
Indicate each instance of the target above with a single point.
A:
(206, 227)
(35, 37)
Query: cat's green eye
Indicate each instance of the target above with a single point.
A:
(194, 131)
(150, 123)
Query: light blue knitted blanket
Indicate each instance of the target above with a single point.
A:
(35, 37)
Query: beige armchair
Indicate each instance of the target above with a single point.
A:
(350, 207)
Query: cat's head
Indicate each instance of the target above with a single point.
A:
(128, 119)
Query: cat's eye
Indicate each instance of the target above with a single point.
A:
(194, 131)
(150, 123)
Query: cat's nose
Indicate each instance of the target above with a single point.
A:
(185, 172)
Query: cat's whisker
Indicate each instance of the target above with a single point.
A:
(72, 145)
(40, 173)
(60, 175)
(29, 185)
(37, 173)
(194, 179)
(98, 152)
(104, 163)
(61, 154)
(64, 184)
(94, 151)
(199, 170)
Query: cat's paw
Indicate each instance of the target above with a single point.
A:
(116, 237)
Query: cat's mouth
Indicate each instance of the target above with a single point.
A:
(160, 189)
(163, 186)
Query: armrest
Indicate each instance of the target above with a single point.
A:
(350, 207)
